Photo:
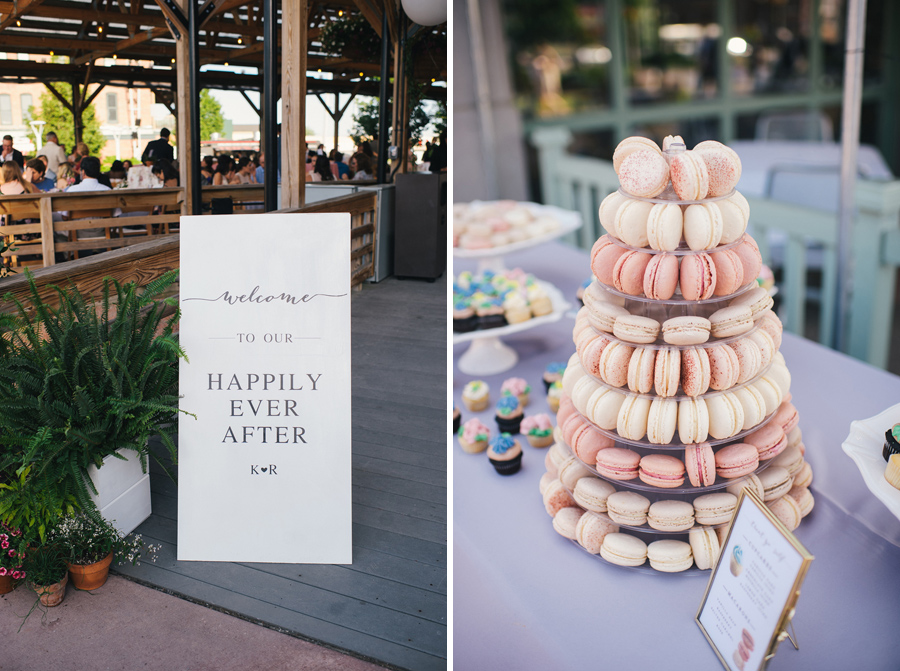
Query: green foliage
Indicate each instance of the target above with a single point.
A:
(84, 540)
(59, 119)
(45, 566)
(351, 37)
(439, 119)
(366, 120)
(530, 23)
(78, 383)
(211, 119)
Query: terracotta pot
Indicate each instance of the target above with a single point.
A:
(52, 595)
(6, 584)
(90, 576)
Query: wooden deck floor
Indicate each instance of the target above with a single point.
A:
(390, 605)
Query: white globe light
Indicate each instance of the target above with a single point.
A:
(426, 12)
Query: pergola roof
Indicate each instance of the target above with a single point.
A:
(138, 30)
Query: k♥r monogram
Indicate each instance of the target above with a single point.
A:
(256, 469)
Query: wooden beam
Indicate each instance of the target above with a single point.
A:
(59, 96)
(393, 14)
(371, 14)
(234, 54)
(250, 102)
(19, 8)
(294, 46)
(121, 46)
(173, 17)
(186, 152)
(91, 97)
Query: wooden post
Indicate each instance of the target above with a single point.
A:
(188, 154)
(48, 245)
(77, 110)
(293, 103)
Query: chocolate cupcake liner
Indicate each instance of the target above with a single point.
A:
(511, 426)
(456, 422)
(508, 467)
(491, 321)
(465, 325)
(891, 446)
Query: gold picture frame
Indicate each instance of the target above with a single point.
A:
(753, 590)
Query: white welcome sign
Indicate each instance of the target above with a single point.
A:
(264, 469)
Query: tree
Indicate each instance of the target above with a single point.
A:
(61, 120)
(366, 120)
(211, 119)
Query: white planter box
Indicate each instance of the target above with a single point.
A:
(123, 491)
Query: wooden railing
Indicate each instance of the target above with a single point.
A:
(144, 260)
(580, 183)
(51, 227)
(363, 229)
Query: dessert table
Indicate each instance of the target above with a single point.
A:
(524, 597)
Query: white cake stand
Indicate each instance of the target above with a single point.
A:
(488, 355)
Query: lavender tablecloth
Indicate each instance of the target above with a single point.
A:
(526, 598)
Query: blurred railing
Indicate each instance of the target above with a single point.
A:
(579, 183)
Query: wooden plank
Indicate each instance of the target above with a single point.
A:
(431, 476)
(20, 8)
(48, 244)
(20, 229)
(294, 47)
(407, 506)
(276, 613)
(140, 264)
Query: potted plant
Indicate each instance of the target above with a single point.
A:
(82, 383)
(12, 556)
(47, 574)
(89, 545)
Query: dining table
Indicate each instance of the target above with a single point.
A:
(525, 597)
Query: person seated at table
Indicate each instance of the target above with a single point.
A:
(165, 173)
(117, 171)
(343, 168)
(65, 176)
(224, 171)
(48, 173)
(206, 170)
(12, 182)
(321, 172)
(245, 172)
(361, 167)
(365, 147)
(35, 172)
(127, 165)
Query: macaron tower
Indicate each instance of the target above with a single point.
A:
(677, 397)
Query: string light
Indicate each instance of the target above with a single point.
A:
(51, 53)
(99, 29)
(19, 23)
(239, 41)
(173, 60)
(340, 12)
(360, 74)
(226, 64)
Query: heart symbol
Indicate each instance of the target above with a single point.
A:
(264, 469)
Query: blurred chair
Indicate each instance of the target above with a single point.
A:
(800, 125)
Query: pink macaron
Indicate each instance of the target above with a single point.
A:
(587, 442)
(697, 277)
(661, 277)
(696, 373)
(724, 367)
(690, 176)
(723, 166)
(630, 145)
(700, 464)
(736, 460)
(618, 463)
(770, 441)
(729, 272)
(613, 366)
(645, 173)
(661, 470)
(604, 255)
(787, 416)
(748, 252)
(628, 273)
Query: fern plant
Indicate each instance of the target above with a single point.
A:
(79, 382)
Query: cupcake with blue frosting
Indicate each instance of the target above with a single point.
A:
(505, 454)
(509, 414)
